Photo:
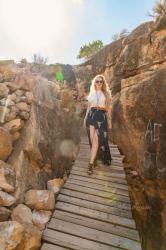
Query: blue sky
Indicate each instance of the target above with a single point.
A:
(58, 28)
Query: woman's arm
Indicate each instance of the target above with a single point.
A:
(109, 114)
(109, 118)
(88, 108)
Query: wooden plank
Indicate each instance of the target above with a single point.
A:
(104, 178)
(113, 195)
(97, 199)
(96, 214)
(114, 162)
(73, 242)
(94, 206)
(100, 166)
(93, 211)
(101, 173)
(86, 158)
(96, 224)
(98, 187)
(105, 171)
(82, 163)
(93, 234)
(110, 169)
(47, 246)
(101, 182)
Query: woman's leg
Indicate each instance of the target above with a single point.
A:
(94, 141)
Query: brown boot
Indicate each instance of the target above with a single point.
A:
(90, 168)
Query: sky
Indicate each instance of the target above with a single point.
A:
(56, 29)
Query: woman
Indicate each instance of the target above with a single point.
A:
(97, 121)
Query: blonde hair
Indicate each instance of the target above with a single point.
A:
(105, 89)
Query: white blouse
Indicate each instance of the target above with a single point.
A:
(96, 98)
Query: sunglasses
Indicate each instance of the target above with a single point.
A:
(99, 81)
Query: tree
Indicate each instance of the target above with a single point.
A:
(38, 59)
(123, 33)
(159, 9)
(88, 50)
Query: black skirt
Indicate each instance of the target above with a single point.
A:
(98, 119)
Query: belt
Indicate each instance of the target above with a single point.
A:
(100, 108)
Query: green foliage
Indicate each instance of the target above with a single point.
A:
(59, 76)
(88, 50)
(123, 33)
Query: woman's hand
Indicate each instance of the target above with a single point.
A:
(109, 124)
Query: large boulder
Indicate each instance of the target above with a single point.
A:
(14, 125)
(40, 199)
(11, 235)
(22, 214)
(134, 67)
(22, 106)
(6, 199)
(32, 237)
(5, 144)
(3, 90)
(8, 173)
(55, 185)
(40, 218)
(4, 214)
(38, 151)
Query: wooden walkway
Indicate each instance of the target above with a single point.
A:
(93, 212)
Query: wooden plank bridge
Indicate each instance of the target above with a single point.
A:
(93, 212)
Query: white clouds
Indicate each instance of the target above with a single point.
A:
(38, 26)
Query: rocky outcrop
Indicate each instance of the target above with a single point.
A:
(135, 68)
(39, 140)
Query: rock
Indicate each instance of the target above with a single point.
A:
(40, 199)
(23, 99)
(12, 86)
(55, 185)
(14, 125)
(134, 173)
(25, 81)
(5, 144)
(135, 68)
(9, 173)
(6, 199)
(22, 214)
(11, 235)
(7, 102)
(22, 106)
(3, 112)
(8, 75)
(37, 153)
(15, 136)
(14, 109)
(40, 218)
(4, 213)
(24, 115)
(65, 177)
(32, 238)
(29, 96)
(4, 185)
(3, 90)
(13, 97)
(10, 116)
(1, 77)
(19, 92)
(18, 99)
